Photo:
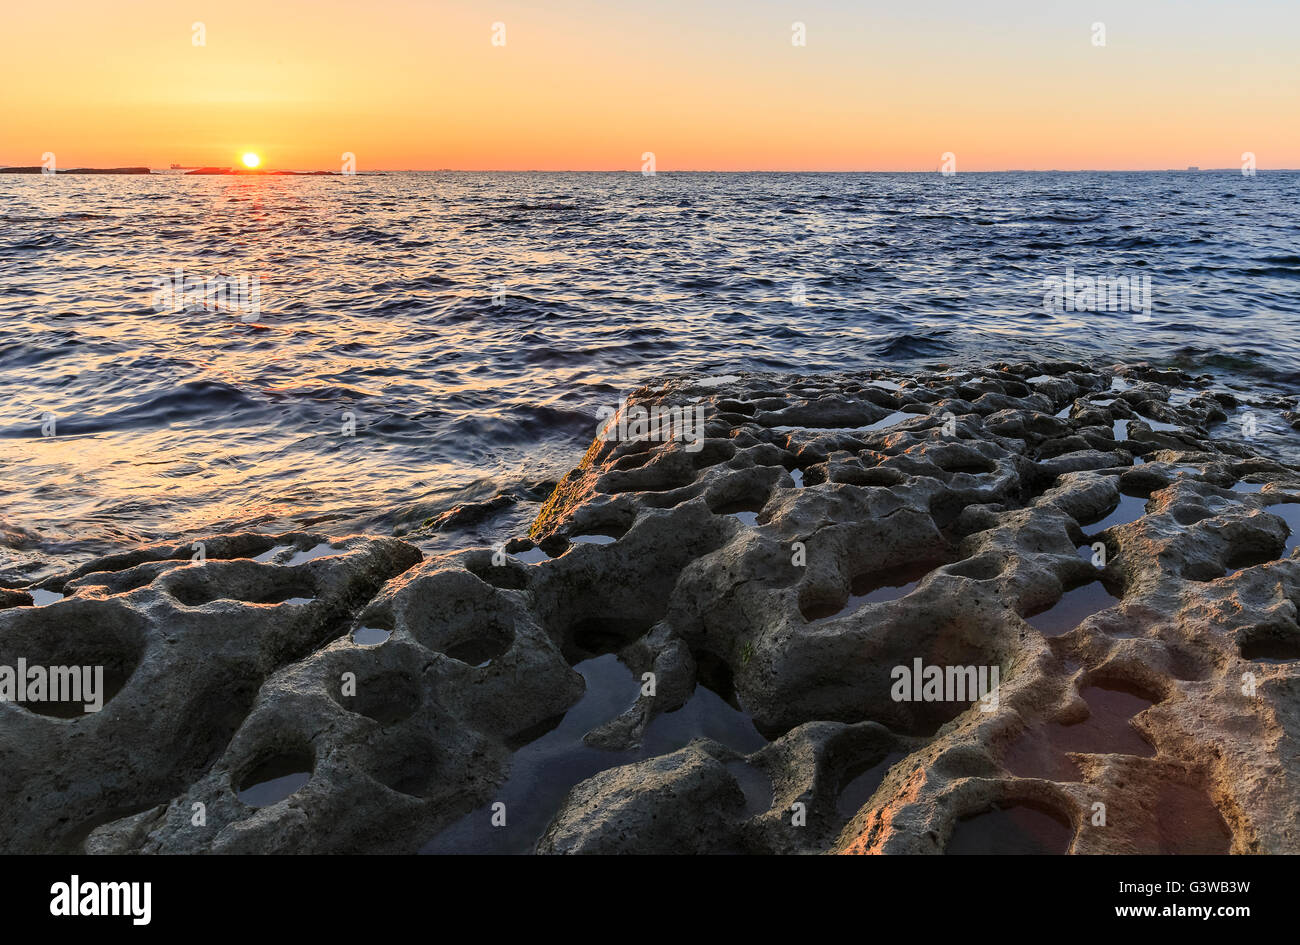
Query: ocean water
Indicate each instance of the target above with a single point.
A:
(428, 340)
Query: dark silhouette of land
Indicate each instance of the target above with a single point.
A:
(257, 171)
(76, 170)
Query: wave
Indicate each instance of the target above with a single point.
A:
(474, 323)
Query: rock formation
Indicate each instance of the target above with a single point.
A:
(1104, 544)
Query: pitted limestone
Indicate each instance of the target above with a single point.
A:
(983, 489)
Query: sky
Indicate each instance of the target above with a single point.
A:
(703, 85)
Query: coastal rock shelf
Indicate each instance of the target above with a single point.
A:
(300, 693)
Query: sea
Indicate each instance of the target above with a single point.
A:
(191, 355)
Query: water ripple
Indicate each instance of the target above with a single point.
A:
(427, 339)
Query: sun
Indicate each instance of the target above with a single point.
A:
(251, 159)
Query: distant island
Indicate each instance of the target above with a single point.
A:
(258, 171)
(241, 171)
(76, 170)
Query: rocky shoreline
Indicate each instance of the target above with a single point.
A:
(1104, 542)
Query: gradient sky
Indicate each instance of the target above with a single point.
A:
(706, 84)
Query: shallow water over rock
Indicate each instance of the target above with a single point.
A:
(311, 554)
(531, 556)
(543, 771)
(875, 587)
(860, 783)
(1012, 829)
(274, 779)
(370, 636)
(1073, 608)
(1130, 509)
(1107, 730)
(1289, 512)
(1188, 823)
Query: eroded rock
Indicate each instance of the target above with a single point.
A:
(1105, 540)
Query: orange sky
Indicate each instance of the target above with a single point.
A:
(704, 85)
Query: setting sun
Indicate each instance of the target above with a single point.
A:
(251, 159)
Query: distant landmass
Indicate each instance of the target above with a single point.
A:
(240, 171)
(76, 170)
(258, 171)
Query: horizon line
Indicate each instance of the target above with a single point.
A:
(523, 170)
